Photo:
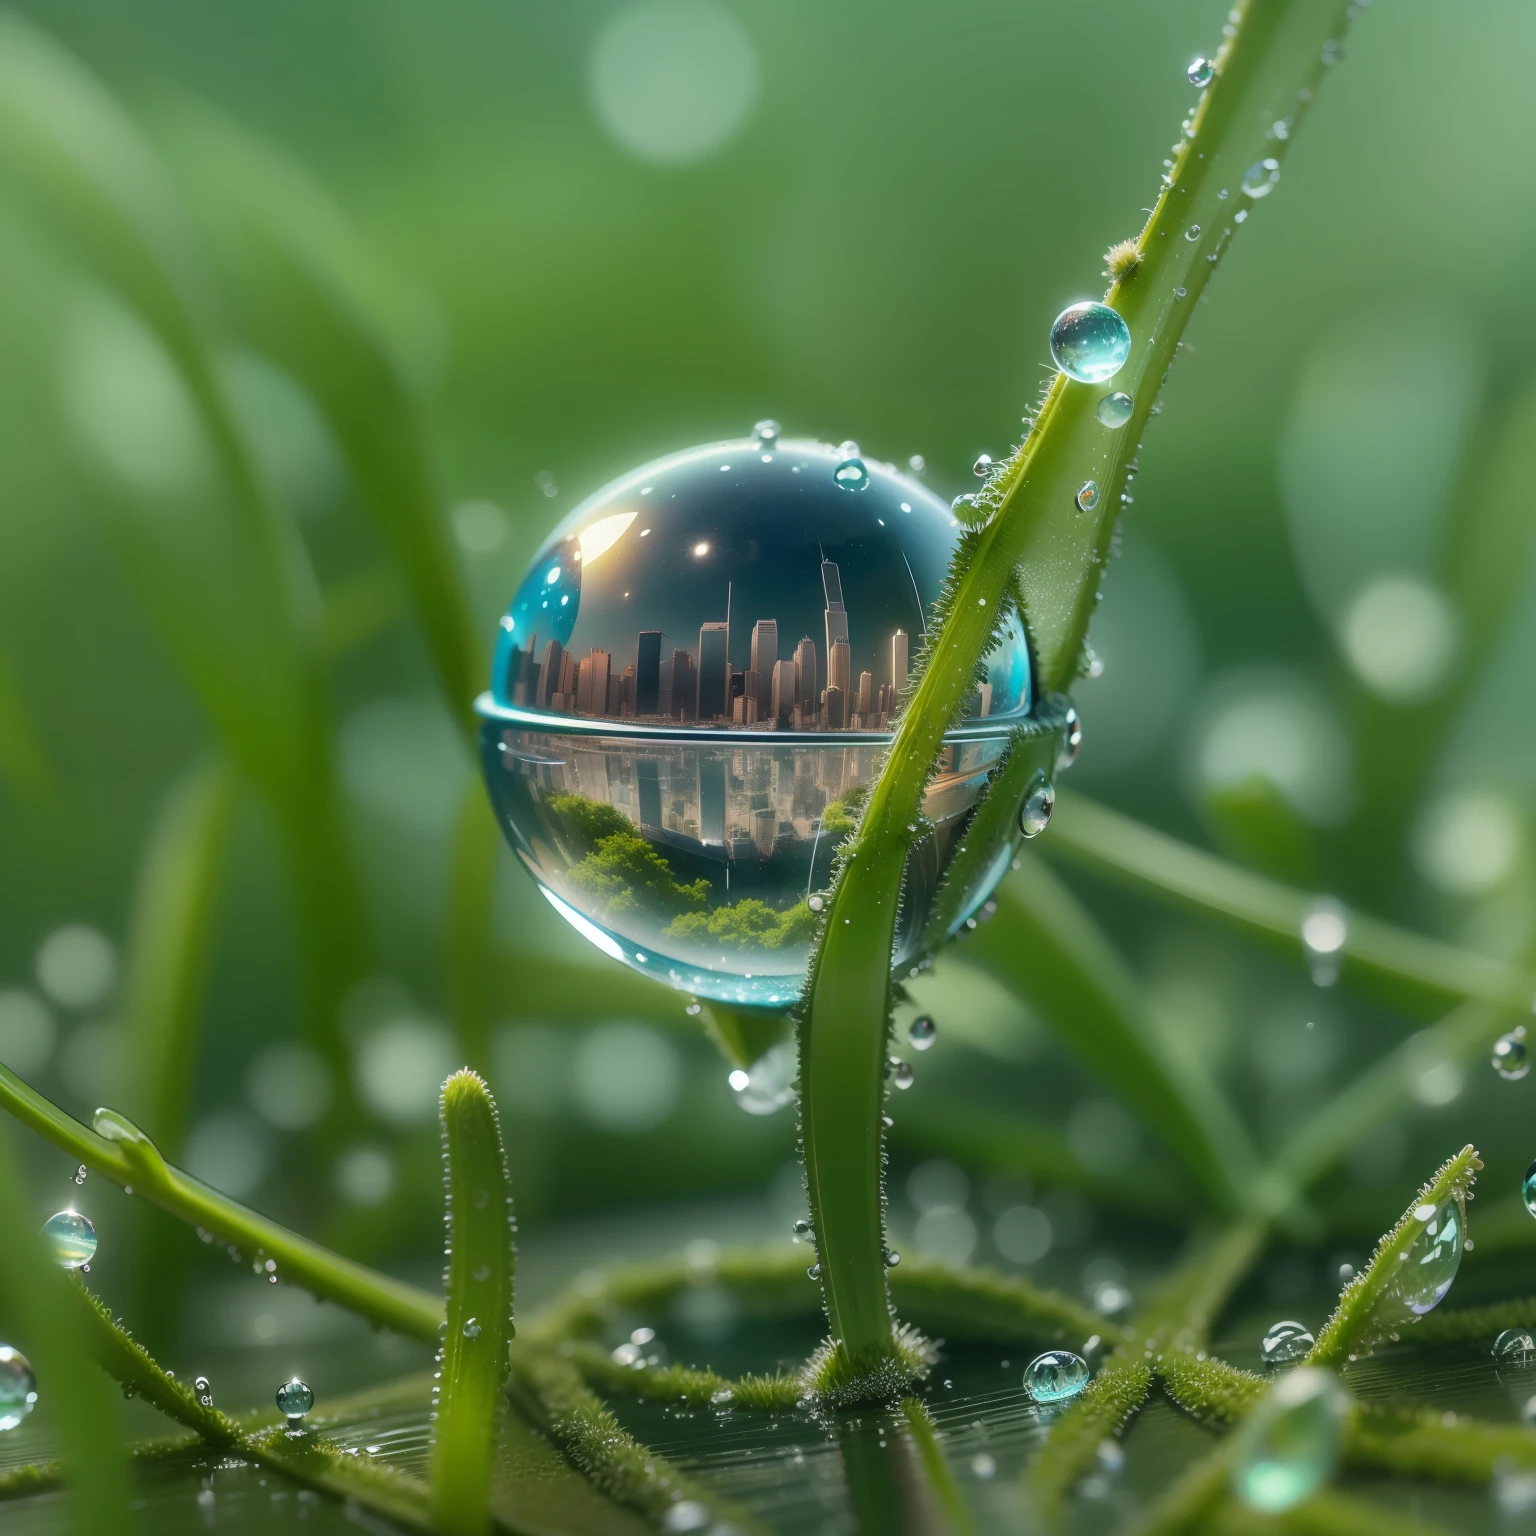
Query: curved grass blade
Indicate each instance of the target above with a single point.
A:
(1037, 549)
(310, 292)
(129, 1158)
(1407, 967)
(479, 1322)
(1043, 943)
(36, 1318)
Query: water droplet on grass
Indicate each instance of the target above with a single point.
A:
(1430, 1265)
(1090, 342)
(1200, 71)
(922, 1032)
(1286, 1341)
(814, 1272)
(1055, 1376)
(294, 1399)
(1514, 1344)
(1087, 497)
(1511, 1059)
(892, 1258)
(1115, 410)
(1039, 803)
(902, 1074)
(1290, 1443)
(204, 1389)
(71, 1238)
(1324, 933)
(769, 1084)
(472, 1329)
(1072, 741)
(18, 1387)
(1260, 178)
(983, 466)
(1192, 233)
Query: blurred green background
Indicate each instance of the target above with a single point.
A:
(592, 233)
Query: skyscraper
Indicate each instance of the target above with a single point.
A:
(685, 686)
(550, 673)
(839, 665)
(647, 695)
(899, 663)
(866, 694)
(807, 683)
(837, 615)
(784, 690)
(714, 670)
(592, 683)
(711, 797)
(834, 705)
(765, 646)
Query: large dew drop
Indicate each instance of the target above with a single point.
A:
(1090, 342)
(1055, 1376)
(71, 1238)
(1290, 1443)
(1286, 1341)
(18, 1387)
(294, 1399)
(1425, 1275)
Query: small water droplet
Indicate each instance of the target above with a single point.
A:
(1260, 178)
(922, 1032)
(481, 1272)
(1115, 410)
(1090, 664)
(1055, 1376)
(918, 464)
(71, 1238)
(1039, 803)
(294, 1399)
(1514, 1345)
(901, 1073)
(1286, 1341)
(815, 903)
(766, 432)
(814, 1271)
(112, 1125)
(18, 1387)
(1090, 342)
(686, 1515)
(722, 1395)
(802, 1229)
(1290, 1443)
(1200, 71)
(1324, 933)
(204, 1389)
(80, 1174)
(1071, 741)
(1087, 497)
(851, 473)
(892, 1258)
(1511, 1058)
(983, 1466)
(983, 466)
(1192, 233)
(472, 1329)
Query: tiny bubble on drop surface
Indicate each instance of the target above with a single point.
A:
(1200, 71)
(851, 474)
(766, 432)
(1055, 1376)
(1090, 342)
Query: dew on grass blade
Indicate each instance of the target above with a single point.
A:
(1200, 71)
(922, 1032)
(18, 1387)
(204, 1389)
(1072, 741)
(472, 1329)
(983, 466)
(1511, 1058)
(294, 1399)
(1514, 1344)
(1192, 233)
(1286, 1341)
(71, 1238)
(1115, 410)
(1090, 342)
(902, 1074)
(1324, 933)
(1260, 178)
(1055, 1376)
(1087, 497)
(1289, 1445)
(1039, 803)
(113, 1125)
(1426, 1274)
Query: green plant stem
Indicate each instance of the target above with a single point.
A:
(471, 917)
(1407, 966)
(1037, 540)
(479, 1321)
(134, 1163)
(35, 1300)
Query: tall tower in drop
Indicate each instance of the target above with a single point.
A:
(837, 615)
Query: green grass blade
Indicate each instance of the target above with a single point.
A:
(1047, 948)
(130, 1159)
(1035, 536)
(471, 938)
(36, 1317)
(23, 760)
(1405, 966)
(308, 290)
(1366, 1312)
(479, 1323)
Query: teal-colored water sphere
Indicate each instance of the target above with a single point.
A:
(1423, 1278)
(1055, 1376)
(1289, 1445)
(18, 1387)
(1090, 342)
(71, 1238)
(694, 687)
(294, 1399)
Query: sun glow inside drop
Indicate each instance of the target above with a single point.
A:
(1055, 1376)
(1115, 410)
(1286, 1341)
(1290, 1443)
(71, 1238)
(18, 1387)
(1425, 1275)
(1090, 342)
(1511, 1059)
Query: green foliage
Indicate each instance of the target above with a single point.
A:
(748, 924)
(620, 872)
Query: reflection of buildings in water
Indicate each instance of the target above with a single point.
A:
(668, 683)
